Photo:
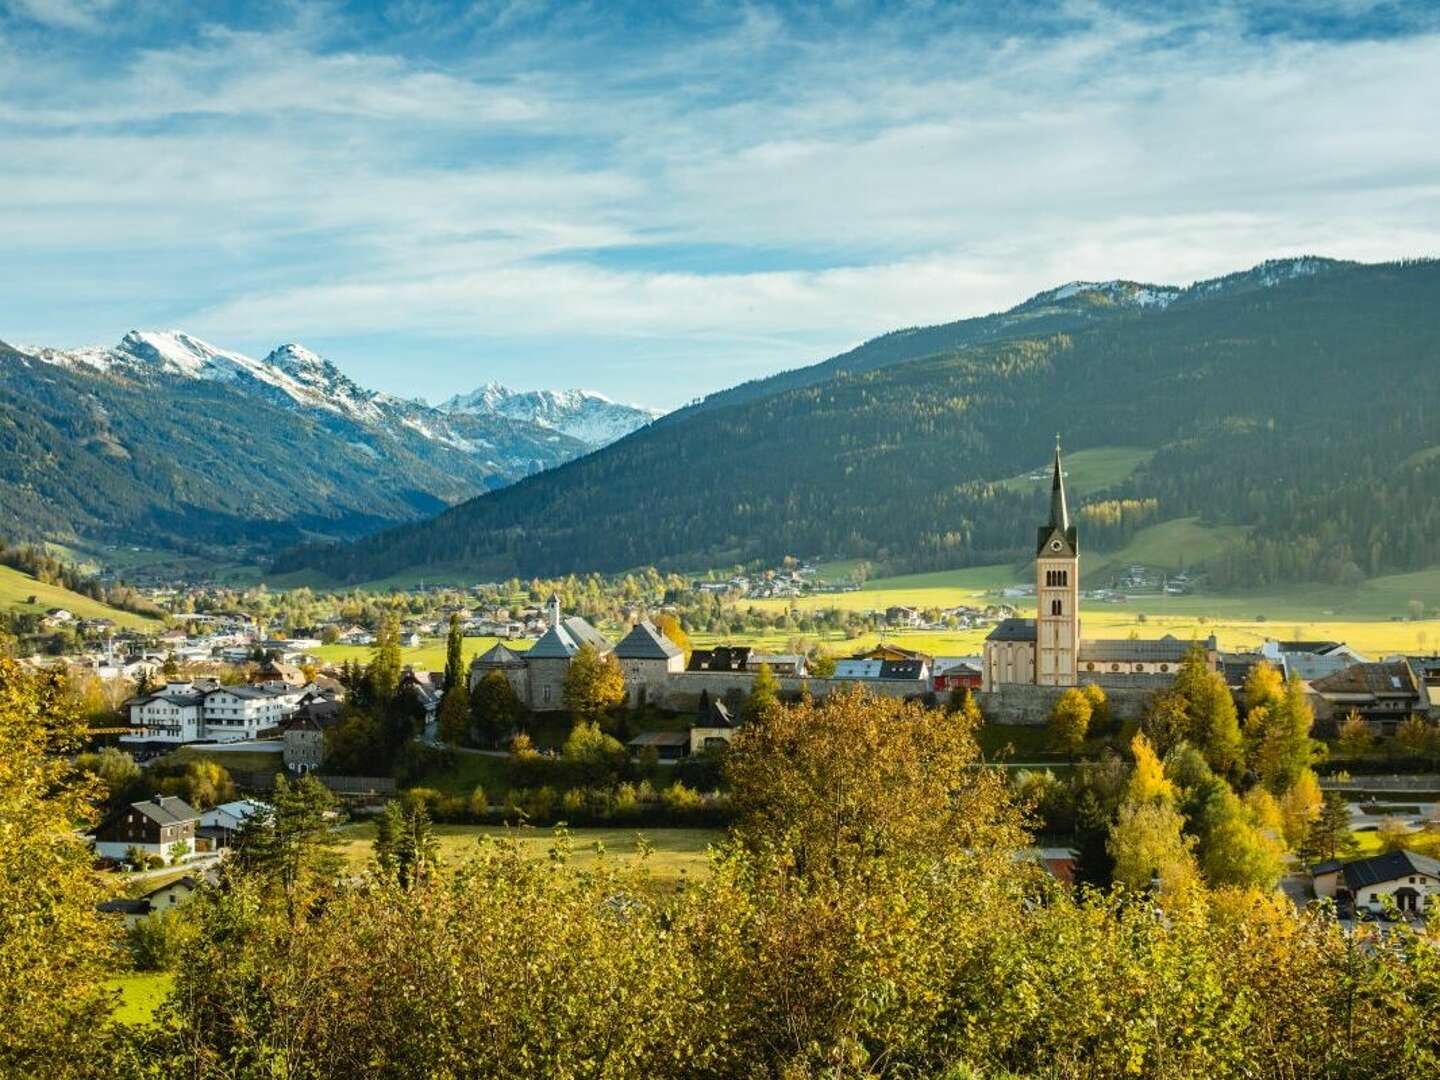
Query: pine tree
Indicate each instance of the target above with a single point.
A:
(1329, 834)
(454, 665)
(764, 695)
(406, 846)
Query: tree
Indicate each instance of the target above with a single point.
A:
(291, 845)
(1234, 850)
(1284, 749)
(406, 847)
(56, 950)
(1264, 686)
(670, 626)
(1147, 842)
(837, 783)
(494, 708)
(455, 714)
(382, 676)
(1069, 721)
(115, 769)
(1355, 738)
(594, 758)
(1299, 807)
(1167, 721)
(594, 684)
(1418, 738)
(1395, 835)
(1329, 836)
(203, 784)
(1148, 782)
(1099, 707)
(764, 695)
(454, 663)
(822, 664)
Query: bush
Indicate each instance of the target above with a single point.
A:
(157, 941)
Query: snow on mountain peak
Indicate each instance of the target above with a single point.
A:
(591, 417)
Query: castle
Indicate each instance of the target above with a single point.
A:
(1048, 649)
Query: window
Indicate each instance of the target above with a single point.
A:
(1090, 666)
(1164, 667)
(545, 694)
(1114, 667)
(1057, 607)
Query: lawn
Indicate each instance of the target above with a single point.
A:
(430, 656)
(16, 590)
(678, 853)
(140, 995)
(242, 760)
(1087, 470)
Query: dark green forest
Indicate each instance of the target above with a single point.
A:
(1300, 405)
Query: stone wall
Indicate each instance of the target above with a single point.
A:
(1018, 703)
(680, 691)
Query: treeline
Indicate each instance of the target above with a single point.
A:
(1303, 411)
(50, 570)
(874, 913)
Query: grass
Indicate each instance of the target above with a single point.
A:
(678, 853)
(430, 656)
(243, 760)
(17, 589)
(1088, 470)
(140, 995)
(1170, 545)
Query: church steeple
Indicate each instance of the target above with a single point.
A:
(1059, 511)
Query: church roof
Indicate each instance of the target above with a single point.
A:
(1123, 650)
(646, 642)
(499, 655)
(564, 639)
(1058, 527)
(1013, 630)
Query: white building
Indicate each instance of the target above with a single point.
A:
(185, 712)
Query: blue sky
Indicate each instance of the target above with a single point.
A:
(659, 200)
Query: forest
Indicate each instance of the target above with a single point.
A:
(1302, 410)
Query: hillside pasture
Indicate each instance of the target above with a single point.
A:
(22, 593)
(1086, 470)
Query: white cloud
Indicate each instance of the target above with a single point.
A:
(262, 184)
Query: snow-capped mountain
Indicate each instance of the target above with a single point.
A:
(592, 418)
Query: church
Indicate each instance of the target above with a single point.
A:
(1048, 649)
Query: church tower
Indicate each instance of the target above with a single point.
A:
(1057, 590)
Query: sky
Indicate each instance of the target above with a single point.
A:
(660, 200)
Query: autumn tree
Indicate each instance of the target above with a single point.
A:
(670, 626)
(594, 684)
(764, 695)
(1355, 738)
(382, 676)
(1329, 836)
(1070, 721)
(291, 845)
(56, 950)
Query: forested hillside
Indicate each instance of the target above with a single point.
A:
(1303, 405)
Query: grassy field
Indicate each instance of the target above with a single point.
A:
(678, 853)
(140, 995)
(430, 656)
(1171, 545)
(245, 760)
(1087, 470)
(16, 590)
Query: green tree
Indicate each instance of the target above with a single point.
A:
(594, 758)
(764, 695)
(1147, 843)
(1070, 721)
(494, 708)
(292, 845)
(115, 769)
(594, 684)
(1284, 749)
(454, 662)
(406, 847)
(382, 676)
(56, 950)
(455, 714)
(1329, 835)
(1233, 849)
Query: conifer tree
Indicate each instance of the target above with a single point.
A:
(454, 664)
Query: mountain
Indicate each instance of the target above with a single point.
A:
(1294, 401)
(168, 441)
(584, 415)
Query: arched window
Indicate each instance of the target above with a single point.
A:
(1056, 607)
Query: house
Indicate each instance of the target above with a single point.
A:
(277, 671)
(950, 674)
(304, 735)
(1310, 660)
(902, 616)
(428, 688)
(548, 660)
(713, 728)
(722, 658)
(161, 898)
(1408, 880)
(668, 745)
(220, 823)
(153, 826)
(858, 669)
(886, 651)
(1385, 694)
(643, 654)
(1426, 672)
(790, 664)
(412, 640)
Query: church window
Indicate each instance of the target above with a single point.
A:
(1139, 667)
(1114, 667)
(1056, 607)
(1090, 666)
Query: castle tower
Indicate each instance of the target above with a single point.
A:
(1057, 590)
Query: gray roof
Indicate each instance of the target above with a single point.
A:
(1013, 630)
(1388, 867)
(661, 738)
(646, 642)
(1122, 650)
(564, 640)
(499, 655)
(166, 809)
